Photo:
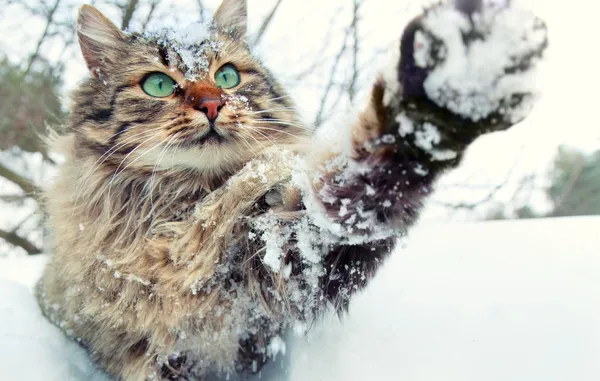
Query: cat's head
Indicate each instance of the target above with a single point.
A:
(194, 98)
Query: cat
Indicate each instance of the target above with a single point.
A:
(195, 218)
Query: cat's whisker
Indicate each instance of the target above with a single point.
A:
(174, 151)
(142, 155)
(155, 167)
(266, 137)
(289, 122)
(258, 252)
(286, 123)
(264, 148)
(116, 173)
(245, 141)
(256, 140)
(159, 158)
(121, 132)
(98, 163)
(122, 144)
(280, 97)
(278, 130)
(272, 110)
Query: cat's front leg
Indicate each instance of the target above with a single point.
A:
(465, 69)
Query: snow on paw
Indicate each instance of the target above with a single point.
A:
(475, 58)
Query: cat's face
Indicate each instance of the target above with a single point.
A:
(193, 99)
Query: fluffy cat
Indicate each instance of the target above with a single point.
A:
(194, 217)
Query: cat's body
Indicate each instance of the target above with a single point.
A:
(180, 252)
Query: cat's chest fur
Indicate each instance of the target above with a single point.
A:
(180, 256)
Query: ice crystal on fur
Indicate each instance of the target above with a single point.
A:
(190, 45)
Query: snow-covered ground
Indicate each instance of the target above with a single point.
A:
(512, 300)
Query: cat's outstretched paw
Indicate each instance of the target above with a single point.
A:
(475, 59)
(466, 68)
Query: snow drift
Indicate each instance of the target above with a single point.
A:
(513, 300)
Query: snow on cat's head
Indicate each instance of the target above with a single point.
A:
(193, 98)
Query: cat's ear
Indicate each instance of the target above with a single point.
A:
(232, 15)
(100, 40)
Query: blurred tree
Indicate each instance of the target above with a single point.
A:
(575, 189)
(30, 101)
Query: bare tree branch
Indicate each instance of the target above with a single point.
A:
(355, 48)
(320, 114)
(36, 52)
(13, 197)
(128, 13)
(266, 22)
(472, 205)
(321, 57)
(27, 185)
(492, 192)
(153, 6)
(16, 240)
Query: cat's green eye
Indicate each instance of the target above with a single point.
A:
(227, 77)
(158, 85)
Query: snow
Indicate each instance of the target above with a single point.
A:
(507, 300)
(31, 348)
(22, 269)
(406, 125)
(192, 34)
(420, 170)
(276, 346)
(191, 43)
(428, 137)
(422, 50)
(441, 155)
(274, 238)
(493, 301)
(476, 80)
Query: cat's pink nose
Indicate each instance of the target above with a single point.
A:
(210, 107)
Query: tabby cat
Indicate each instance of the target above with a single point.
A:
(195, 218)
